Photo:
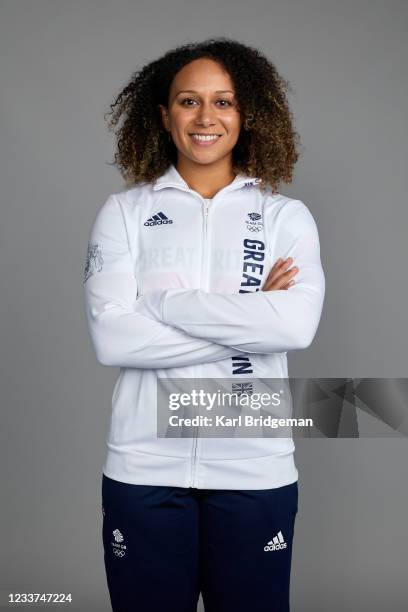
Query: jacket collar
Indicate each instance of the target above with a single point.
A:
(172, 178)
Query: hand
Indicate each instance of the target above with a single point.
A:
(280, 277)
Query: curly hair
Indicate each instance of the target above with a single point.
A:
(267, 143)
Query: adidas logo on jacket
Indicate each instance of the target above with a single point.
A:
(173, 290)
(158, 219)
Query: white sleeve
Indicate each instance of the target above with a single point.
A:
(121, 334)
(262, 321)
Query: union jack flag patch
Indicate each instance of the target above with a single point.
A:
(242, 388)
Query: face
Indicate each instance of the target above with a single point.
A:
(202, 101)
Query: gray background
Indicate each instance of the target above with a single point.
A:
(61, 64)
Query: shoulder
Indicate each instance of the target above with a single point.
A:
(117, 208)
(125, 205)
(281, 209)
(135, 197)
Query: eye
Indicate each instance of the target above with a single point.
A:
(227, 101)
(187, 100)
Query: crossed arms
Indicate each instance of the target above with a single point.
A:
(169, 328)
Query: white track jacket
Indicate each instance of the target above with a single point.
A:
(172, 286)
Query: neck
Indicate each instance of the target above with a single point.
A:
(206, 179)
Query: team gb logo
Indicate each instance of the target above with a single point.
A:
(255, 222)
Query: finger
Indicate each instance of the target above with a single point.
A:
(280, 264)
(278, 277)
(281, 279)
(288, 274)
(284, 262)
(289, 284)
(277, 263)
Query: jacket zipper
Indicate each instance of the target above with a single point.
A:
(204, 269)
(203, 278)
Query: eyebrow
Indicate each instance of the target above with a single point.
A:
(192, 91)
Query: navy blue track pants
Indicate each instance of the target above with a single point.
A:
(164, 545)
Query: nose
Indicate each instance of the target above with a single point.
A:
(205, 115)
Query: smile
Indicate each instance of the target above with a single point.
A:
(204, 139)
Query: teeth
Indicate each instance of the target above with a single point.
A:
(205, 137)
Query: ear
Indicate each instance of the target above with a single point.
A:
(164, 117)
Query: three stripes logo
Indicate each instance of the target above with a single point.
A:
(277, 543)
(158, 219)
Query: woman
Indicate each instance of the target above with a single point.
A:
(190, 274)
